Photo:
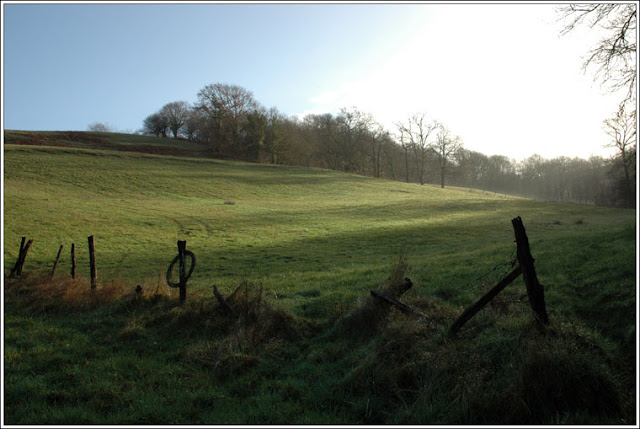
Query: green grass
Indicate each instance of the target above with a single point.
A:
(316, 242)
(106, 141)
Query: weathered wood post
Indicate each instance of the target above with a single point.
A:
(23, 256)
(223, 302)
(471, 311)
(182, 247)
(55, 265)
(73, 260)
(92, 262)
(535, 291)
(180, 259)
(14, 270)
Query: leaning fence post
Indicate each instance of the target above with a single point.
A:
(535, 291)
(55, 265)
(92, 262)
(471, 311)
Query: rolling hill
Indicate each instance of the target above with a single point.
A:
(307, 245)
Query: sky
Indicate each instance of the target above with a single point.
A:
(500, 76)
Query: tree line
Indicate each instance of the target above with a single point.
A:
(232, 124)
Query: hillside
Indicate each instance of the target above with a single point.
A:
(106, 141)
(310, 244)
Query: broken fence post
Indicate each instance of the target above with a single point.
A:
(535, 291)
(223, 302)
(471, 311)
(23, 256)
(14, 270)
(401, 306)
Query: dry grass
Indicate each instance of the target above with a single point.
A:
(42, 293)
(259, 321)
(369, 313)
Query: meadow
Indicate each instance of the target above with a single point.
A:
(301, 248)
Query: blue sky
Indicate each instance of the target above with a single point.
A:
(499, 76)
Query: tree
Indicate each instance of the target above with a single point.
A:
(100, 127)
(417, 130)
(406, 145)
(622, 130)
(349, 137)
(319, 140)
(156, 124)
(226, 107)
(391, 151)
(252, 135)
(195, 125)
(176, 114)
(274, 138)
(472, 169)
(446, 147)
(378, 137)
(614, 56)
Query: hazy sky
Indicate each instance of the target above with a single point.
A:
(499, 76)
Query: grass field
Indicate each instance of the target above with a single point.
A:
(307, 245)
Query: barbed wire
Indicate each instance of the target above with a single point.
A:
(507, 267)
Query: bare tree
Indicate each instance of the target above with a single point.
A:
(226, 107)
(377, 137)
(446, 146)
(195, 127)
(390, 149)
(417, 130)
(622, 130)
(320, 141)
(349, 137)
(274, 140)
(614, 56)
(176, 114)
(100, 127)
(156, 124)
(405, 144)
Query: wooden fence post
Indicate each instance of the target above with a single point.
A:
(182, 246)
(535, 291)
(55, 265)
(471, 311)
(14, 270)
(92, 262)
(23, 256)
(223, 302)
(73, 260)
